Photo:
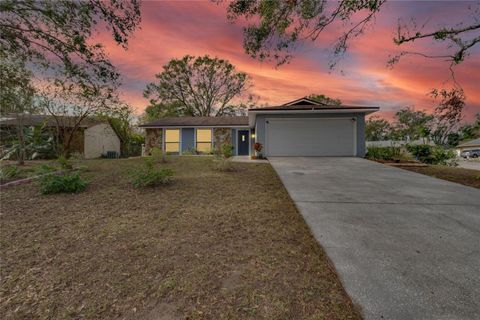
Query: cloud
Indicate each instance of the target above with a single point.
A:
(174, 29)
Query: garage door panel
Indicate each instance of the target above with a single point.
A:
(310, 137)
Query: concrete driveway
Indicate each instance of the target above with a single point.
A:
(406, 246)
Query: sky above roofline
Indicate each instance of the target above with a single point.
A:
(173, 29)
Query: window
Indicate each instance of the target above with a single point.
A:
(172, 140)
(204, 140)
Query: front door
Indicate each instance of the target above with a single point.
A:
(242, 143)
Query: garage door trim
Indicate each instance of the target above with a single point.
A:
(354, 127)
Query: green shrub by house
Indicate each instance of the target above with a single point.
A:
(70, 182)
(385, 153)
(432, 154)
(148, 176)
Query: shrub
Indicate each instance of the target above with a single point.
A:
(148, 176)
(64, 163)
(226, 150)
(432, 154)
(64, 183)
(158, 155)
(9, 172)
(385, 153)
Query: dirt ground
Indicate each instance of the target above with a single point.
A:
(212, 245)
(463, 176)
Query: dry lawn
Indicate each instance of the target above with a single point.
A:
(463, 176)
(212, 245)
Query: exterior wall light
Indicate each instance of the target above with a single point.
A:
(253, 135)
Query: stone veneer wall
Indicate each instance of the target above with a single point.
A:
(221, 136)
(153, 138)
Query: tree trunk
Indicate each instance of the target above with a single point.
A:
(21, 143)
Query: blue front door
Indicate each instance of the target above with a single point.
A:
(242, 142)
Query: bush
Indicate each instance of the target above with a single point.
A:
(64, 183)
(148, 176)
(64, 163)
(9, 172)
(158, 155)
(227, 150)
(385, 153)
(432, 154)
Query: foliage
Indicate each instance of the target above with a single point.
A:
(159, 110)
(385, 153)
(470, 131)
(44, 169)
(158, 155)
(198, 86)
(70, 182)
(9, 172)
(53, 37)
(276, 28)
(325, 99)
(432, 154)
(37, 144)
(377, 129)
(257, 146)
(121, 119)
(448, 114)
(226, 150)
(148, 176)
(64, 163)
(411, 124)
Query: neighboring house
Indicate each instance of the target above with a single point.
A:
(93, 138)
(299, 128)
(469, 145)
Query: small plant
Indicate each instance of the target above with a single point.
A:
(9, 172)
(64, 183)
(64, 163)
(226, 150)
(258, 150)
(44, 169)
(386, 153)
(190, 152)
(148, 176)
(158, 155)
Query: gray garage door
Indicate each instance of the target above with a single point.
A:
(310, 137)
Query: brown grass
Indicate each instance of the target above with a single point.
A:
(463, 176)
(212, 245)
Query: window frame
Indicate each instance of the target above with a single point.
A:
(179, 142)
(196, 138)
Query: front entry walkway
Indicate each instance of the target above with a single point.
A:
(406, 246)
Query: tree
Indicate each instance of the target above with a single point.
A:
(202, 86)
(470, 131)
(16, 98)
(447, 114)
(277, 27)
(156, 111)
(70, 105)
(377, 129)
(121, 119)
(52, 36)
(412, 125)
(325, 100)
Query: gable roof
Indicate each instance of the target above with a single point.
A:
(303, 101)
(471, 143)
(235, 121)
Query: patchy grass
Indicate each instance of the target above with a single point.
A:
(467, 177)
(212, 245)
(29, 169)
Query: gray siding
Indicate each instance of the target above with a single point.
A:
(188, 140)
(260, 125)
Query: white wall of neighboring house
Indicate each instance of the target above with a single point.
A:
(99, 139)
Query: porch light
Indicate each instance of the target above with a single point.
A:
(253, 135)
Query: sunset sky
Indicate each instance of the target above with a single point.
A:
(173, 29)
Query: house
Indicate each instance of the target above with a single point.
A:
(301, 127)
(92, 139)
(469, 145)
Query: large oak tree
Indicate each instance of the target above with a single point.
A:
(199, 86)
